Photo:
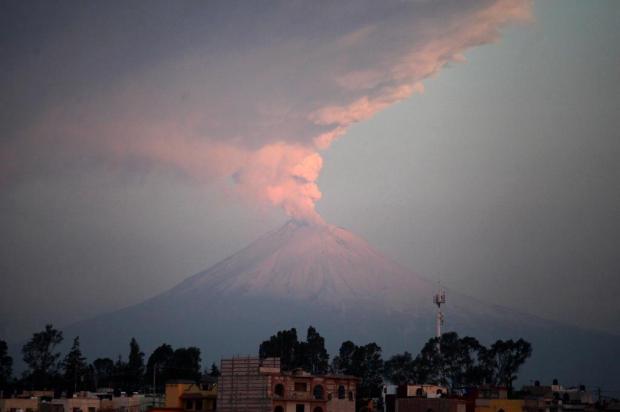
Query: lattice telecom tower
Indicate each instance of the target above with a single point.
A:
(439, 299)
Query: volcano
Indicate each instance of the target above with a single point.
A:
(322, 275)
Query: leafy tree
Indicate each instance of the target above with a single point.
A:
(185, 364)
(283, 345)
(503, 360)
(310, 355)
(6, 365)
(400, 369)
(215, 371)
(158, 364)
(135, 366)
(103, 372)
(40, 357)
(343, 362)
(451, 361)
(364, 362)
(315, 358)
(75, 367)
(120, 379)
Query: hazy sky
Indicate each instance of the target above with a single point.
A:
(143, 142)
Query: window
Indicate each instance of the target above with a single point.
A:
(278, 409)
(318, 409)
(91, 409)
(318, 392)
(279, 390)
(301, 386)
(341, 392)
(300, 407)
(329, 396)
(189, 405)
(350, 395)
(198, 404)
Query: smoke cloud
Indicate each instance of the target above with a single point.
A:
(249, 95)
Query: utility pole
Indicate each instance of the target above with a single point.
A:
(154, 386)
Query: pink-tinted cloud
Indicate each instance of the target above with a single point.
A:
(261, 115)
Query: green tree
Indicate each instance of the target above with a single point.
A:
(41, 358)
(314, 356)
(120, 377)
(75, 368)
(103, 372)
(504, 359)
(6, 365)
(400, 369)
(310, 355)
(364, 362)
(185, 364)
(283, 345)
(135, 367)
(158, 364)
(214, 372)
(451, 361)
(343, 362)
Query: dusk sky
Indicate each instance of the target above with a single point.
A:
(476, 143)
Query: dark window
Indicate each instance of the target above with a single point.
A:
(329, 396)
(278, 409)
(189, 405)
(300, 407)
(91, 409)
(301, 387)
(279, 390)
(341, 392)
(350, 395)
(318, 409)
(419, 392)
(198, 404)
(318, 392)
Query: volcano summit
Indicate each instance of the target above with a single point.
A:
(322, 275)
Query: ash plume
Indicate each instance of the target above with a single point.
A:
(252, 93)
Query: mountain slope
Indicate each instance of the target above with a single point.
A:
(325, 276)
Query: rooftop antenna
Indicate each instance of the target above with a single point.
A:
(439, 299)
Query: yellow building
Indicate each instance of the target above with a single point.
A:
(188, 396)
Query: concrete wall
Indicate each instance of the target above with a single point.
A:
(19, 405)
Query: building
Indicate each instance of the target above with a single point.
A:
(420, 404)
(556, 398)
(249, 384)
(24, 404)
(188, 396)
(491, 399)
(82, 402)
(135, 403)
(423, 390)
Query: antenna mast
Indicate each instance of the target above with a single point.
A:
(439, 299)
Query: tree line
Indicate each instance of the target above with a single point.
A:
(46, 369)
(451, 361)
